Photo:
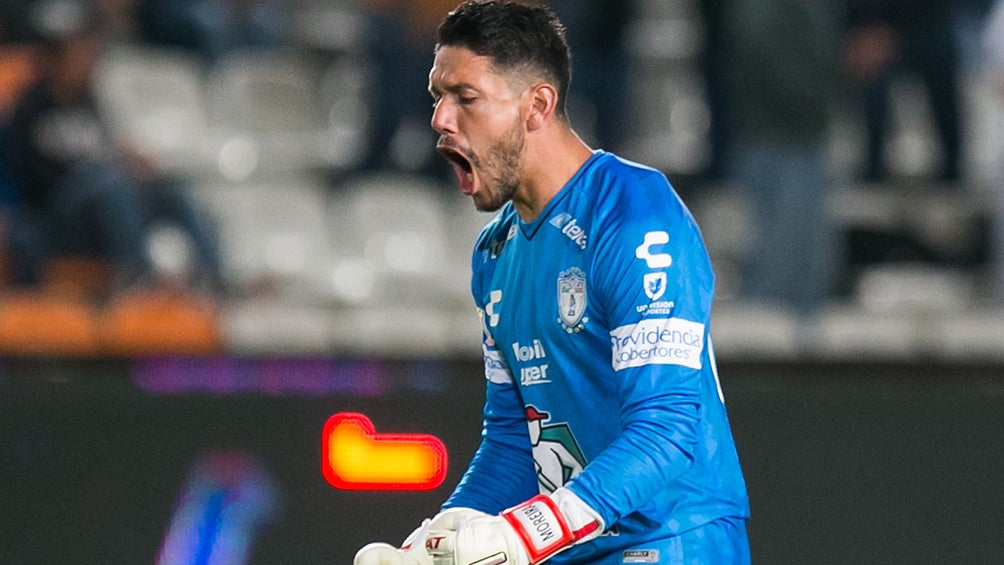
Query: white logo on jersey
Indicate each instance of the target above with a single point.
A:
(495, 367)
(570, 227)
(529, 352)
(657, 341)
(655, 285)
(534, 374)
(559, 220)
(644, 251)
(571, 299)
(497, 245)
(491, 310)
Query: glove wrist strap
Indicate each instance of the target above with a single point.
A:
(542, 527)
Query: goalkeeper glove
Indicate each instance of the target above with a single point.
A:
(526, 534)
(412, 551)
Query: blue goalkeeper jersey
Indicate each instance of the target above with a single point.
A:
(600, 370)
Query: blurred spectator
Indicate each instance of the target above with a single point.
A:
(401, 37)
(784, 58)
(993, 43)
(887, 37)
(81, 193)
(17, 74)
(596, 30)
(210, 28)
(714, 68)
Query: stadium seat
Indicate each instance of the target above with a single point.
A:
(264, 326)
(269, 96)
(748, 331)
(966, 337)
(402, 247)
(263, 91)
(853, 334)
(155, 98)
(78, 276)
(157, 322)
(344, 94)
(393, 240)
(274, 237)
(35, 323)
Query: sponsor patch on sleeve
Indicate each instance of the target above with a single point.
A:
(496, 370)
(657, 341)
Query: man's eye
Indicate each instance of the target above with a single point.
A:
(466, 99)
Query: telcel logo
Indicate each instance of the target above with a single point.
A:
(355, 457)
(570, 227)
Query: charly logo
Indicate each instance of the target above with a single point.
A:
(572, 299)
(490, 316)
(641, 556)
(492, 308)
(654, 260)
(655, 285)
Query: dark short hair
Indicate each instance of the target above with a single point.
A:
(513, 35)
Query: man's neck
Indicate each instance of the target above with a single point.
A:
(550, 164)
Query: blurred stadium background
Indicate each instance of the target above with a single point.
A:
(147, 427)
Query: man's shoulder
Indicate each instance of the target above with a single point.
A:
(624, 187)
(497, 230)
(615, 167)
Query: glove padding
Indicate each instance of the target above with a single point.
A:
(412, 551)
(526, 534)
(379, 553)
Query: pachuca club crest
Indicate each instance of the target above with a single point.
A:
(571, 298)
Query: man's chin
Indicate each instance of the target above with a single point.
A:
(485, 204)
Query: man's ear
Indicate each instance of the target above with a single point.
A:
(543, 102)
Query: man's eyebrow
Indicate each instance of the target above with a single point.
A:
(451, 88)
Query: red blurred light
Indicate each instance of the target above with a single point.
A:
(355, 457)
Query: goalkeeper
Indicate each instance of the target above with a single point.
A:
(605, 437)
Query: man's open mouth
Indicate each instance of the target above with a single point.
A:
(461, 166)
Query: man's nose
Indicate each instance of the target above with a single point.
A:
(443, 119)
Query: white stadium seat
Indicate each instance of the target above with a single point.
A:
(271, 98)
(274, 235)
(154, 98)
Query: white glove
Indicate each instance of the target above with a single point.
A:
(412, 551)
(526, 534)
(379, 553)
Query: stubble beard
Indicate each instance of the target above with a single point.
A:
(503, 167)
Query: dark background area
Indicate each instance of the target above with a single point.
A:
(891, 463)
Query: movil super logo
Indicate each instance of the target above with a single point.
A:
(536, 372)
